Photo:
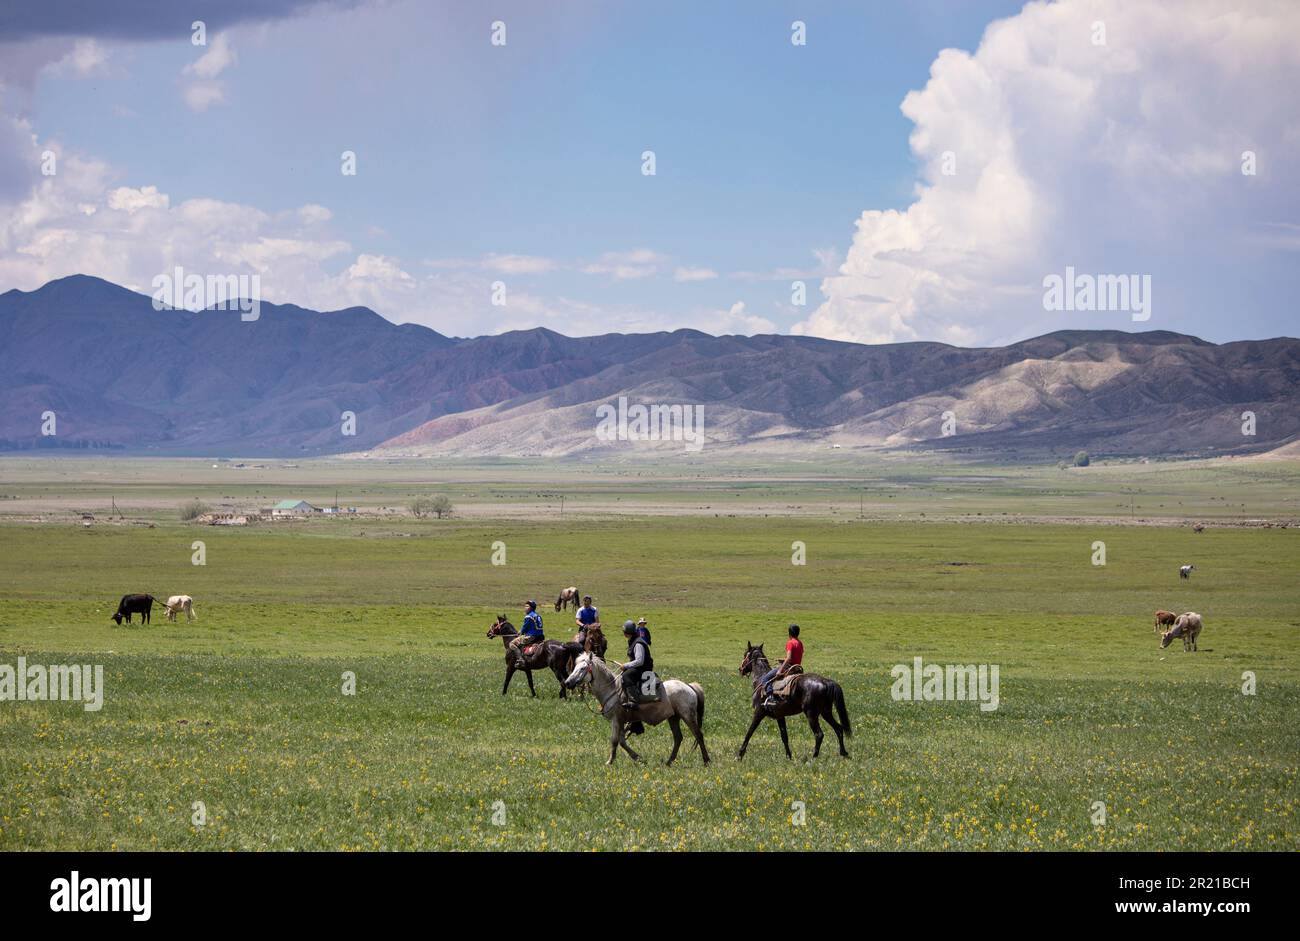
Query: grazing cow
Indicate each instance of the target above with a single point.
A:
(569, 594)
(1188, 627)
(1164, 619)
(178, 603)
(134, 604)
(1185, 571)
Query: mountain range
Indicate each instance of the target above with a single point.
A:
(118, 373)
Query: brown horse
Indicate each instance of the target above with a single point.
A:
(569, 594)
(810, 694)
(549, 654)
(593, 638)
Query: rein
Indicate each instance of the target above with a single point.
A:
(587, 686)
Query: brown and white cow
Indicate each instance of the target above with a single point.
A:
(1188, 627)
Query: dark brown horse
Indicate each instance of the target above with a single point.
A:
(810, 694)
(549, 654)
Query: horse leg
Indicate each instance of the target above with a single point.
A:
(785, 736)
(839, 729)
(676, 725)
(753, 724)
(531, 688)
(699, 737)
(510, 672)
(817, 732)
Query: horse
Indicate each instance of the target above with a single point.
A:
(680, 702)
(593, 639)
(569, 594)
(810, 694)
(550, 654)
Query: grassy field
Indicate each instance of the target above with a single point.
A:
(243, 710)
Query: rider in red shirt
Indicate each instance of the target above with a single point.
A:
(793, 655)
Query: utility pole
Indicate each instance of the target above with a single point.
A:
(561, 506)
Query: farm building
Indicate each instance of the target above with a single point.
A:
(293, 508)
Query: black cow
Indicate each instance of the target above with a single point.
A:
(134, 604)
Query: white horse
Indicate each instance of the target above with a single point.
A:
(681, 702)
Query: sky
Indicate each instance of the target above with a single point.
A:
(921, 168)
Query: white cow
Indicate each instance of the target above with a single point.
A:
(178, 603)
(1185, 571)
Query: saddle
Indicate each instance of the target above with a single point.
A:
(782, 688)
(640, 698)
(529, 648)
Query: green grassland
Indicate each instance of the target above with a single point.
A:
(243, 709)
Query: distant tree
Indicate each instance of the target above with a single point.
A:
(193, 509)
(1081, 459)
(439, 506)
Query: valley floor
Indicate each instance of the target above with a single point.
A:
(235, 731)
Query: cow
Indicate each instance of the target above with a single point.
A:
(1185, 571)
(134, 604)
(177, 603)
(1188, 627)
(1164, 619)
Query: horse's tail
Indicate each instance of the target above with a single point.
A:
(699, 705)
(844, 713)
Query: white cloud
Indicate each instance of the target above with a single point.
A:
(203, 91)
(1118, 158)
(624, 266)
(87, 57)
(219, 57)
(694, 274)
(132, 200)
(199, 96)
(518, 264)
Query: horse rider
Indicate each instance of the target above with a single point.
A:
(638, 665)
(586, 617)
(643, 631)
(532, 630)
(793, 657)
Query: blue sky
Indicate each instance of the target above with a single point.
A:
(767, 154)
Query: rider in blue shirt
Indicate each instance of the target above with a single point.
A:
(532, 632)
(587, 616)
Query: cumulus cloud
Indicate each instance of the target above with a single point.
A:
(1043, 149)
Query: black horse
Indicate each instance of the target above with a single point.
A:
(810, 694)
(549, 654)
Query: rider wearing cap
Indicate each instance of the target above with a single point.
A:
(639, 663)
(532, 631)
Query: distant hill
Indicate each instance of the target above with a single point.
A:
(119, 374)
